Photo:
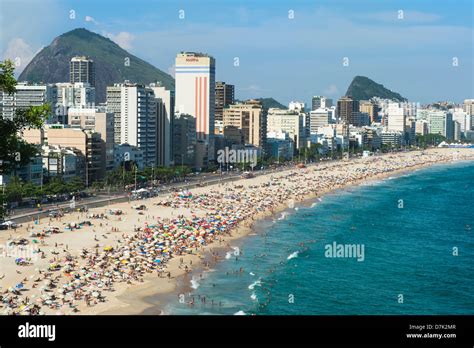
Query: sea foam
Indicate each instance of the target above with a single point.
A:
(194, 284)
(254, 284)
(293, 255)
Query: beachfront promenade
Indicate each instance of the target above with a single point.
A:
(85, 262)
(27, 214)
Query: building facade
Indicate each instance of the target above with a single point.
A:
(225, 96)
(165, 115)
(320, 102)
(184, 140)
(285, 121)
(250, 118)
(136, 122)
(99, 121)
(195, 96)
(319, 118)
(370, 108)
(26, 95)
(441, 122)
(81, 69)
(348, 111)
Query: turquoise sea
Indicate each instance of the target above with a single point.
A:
(417, 233)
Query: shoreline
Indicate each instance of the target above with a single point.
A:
(150, 292)
(153, 301)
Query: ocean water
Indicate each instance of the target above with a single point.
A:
(410, 228)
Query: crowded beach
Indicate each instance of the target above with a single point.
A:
(81, 263)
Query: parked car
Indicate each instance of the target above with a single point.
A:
(7, 224)
(55, 213)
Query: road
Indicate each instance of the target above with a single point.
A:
(27, 214)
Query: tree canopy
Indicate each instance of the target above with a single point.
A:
(14, 151)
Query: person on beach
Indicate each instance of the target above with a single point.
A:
(217, 213)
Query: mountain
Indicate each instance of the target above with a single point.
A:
(363, 88)
(267, 103)
(51, 64)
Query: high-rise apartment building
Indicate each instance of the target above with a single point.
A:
(319, 118)
(320, 102)
(396, 117)
(79, 94)
(184, 140)
(99, 121)
(370, 108)
(469, 106)
(441, 122)
(348, 111)
(114, 105)
(464, 119)
(224, 97)
(250, 118)
(280, 120)
(71, 95)
(135, 117)
(165, 115)
(81, 69)
(26, 95)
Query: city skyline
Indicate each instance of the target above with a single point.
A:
(414, 55)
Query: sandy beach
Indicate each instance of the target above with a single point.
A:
(109, 260)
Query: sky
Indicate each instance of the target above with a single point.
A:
(288, 50)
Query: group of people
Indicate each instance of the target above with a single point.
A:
(86, 277)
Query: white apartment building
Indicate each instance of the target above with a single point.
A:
(421, 127)
(464, 119)
(79, 94)
(26, 95)
(296, 106)
(396, 117)
(195, 96)
(319, 118)
(135, 123)
(281, 120)
(469, 106)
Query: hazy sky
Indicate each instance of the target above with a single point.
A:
(289, 50)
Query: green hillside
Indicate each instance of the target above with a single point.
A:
(51, 64)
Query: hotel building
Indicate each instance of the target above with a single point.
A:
(195, 96)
